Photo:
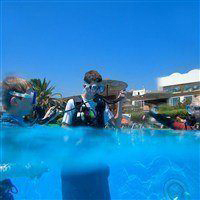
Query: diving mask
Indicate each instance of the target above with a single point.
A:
(32, 95)
(96, 88)
(192, 109)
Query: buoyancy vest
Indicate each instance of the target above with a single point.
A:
(81, 116)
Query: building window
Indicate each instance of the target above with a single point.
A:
(167, 89)
(188, 88)
(192, 87)
(174, 101)
(138, 104)
(172, 89)
(176, 89)
(196, 87)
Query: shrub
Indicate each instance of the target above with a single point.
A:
(173, 113)
(137, 117)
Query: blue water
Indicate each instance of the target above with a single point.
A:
(144, 164)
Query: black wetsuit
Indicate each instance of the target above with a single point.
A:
(88, 185)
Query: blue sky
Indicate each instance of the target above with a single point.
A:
(135, 42)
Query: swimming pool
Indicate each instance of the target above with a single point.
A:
(144, 164)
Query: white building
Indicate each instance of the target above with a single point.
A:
(138, 103)
(182, 86)
(138, 92)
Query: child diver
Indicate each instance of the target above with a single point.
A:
(91, 111)
(18, 100)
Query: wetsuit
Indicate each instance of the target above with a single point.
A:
(91, 184)
(170, 123)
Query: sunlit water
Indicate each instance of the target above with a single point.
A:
(144, 164)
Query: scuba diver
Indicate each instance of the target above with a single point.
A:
(191, 122)
(18, 100)
(91, 110)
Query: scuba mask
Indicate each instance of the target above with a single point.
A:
(32, 95)
(96, 88)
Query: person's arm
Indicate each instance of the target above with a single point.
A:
(118, 116)
(161, 118)
(50, 115)
(115, 121)
(69, 112)
(179, 119)
(18, 170)
(167, 121)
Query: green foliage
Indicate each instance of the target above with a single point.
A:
(42, 87)
(44, 92)
(173, 111)
(165, 108)
(137, 117)
(45, 98)
(176, 112)
(183, 105)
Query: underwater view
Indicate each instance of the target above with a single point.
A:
(99, 100)
(144, 164)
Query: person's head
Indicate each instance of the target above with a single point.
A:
(194, 112)
(18, 97)
(92, 84)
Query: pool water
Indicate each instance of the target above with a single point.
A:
(144, 164)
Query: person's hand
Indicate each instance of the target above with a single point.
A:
(180, 119)
(52, 112)
(50, 115)
(122, 95)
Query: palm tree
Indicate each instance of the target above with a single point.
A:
(45, 93)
